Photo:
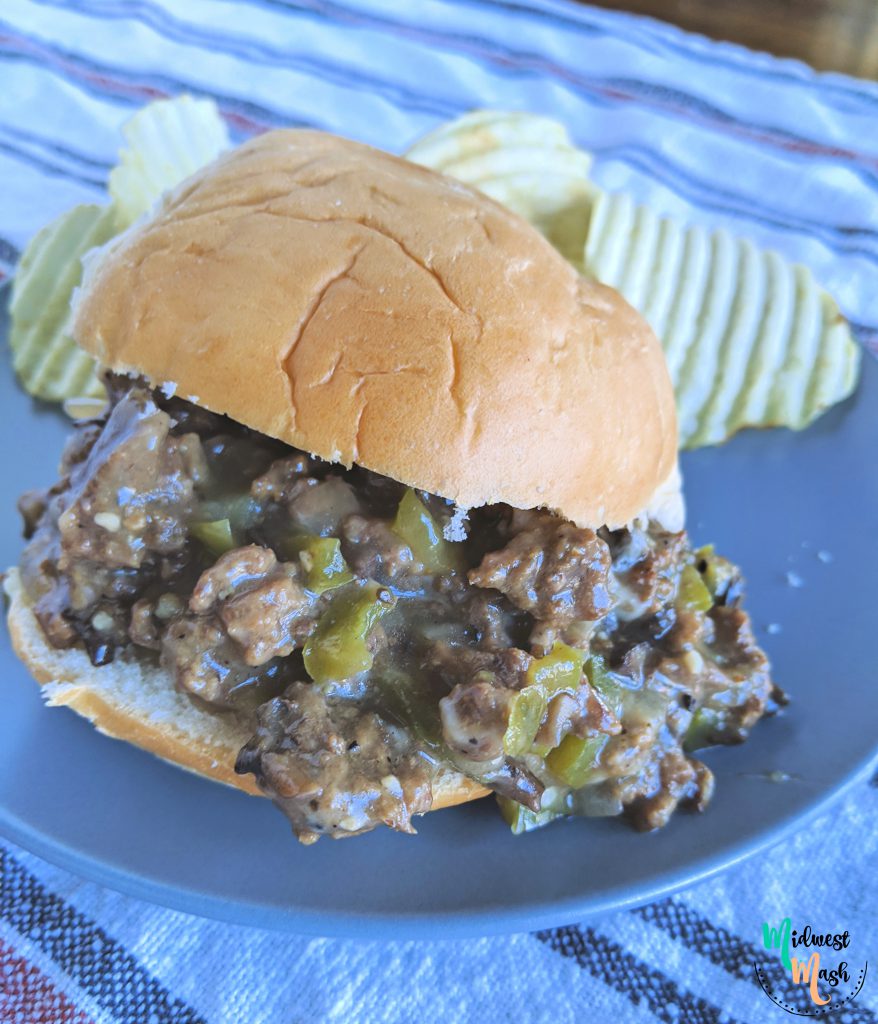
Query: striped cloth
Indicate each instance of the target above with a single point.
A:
(762, 146)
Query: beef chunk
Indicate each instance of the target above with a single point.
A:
(333, 768)
(550, 568)
(374, 551)
(512, 779)
(117, 522)
(246, 610)
(733, 641)
(132, 496)
(281, 477)
(650, 582)
(652, 797)
(507, 667)
(31, 506)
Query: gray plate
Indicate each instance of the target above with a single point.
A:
(769, 500)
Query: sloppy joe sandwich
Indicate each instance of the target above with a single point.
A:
(383, 514)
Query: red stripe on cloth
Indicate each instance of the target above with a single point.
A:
(27, 996)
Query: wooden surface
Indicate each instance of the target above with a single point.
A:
(832, 35)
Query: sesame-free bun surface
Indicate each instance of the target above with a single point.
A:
(371, 311)
(135, 701)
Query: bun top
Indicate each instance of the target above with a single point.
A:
(371, 311)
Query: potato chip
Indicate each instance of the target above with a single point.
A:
(49, 364)
(525, 162)
(483, 130)
(85, 407)
(166, 142)
(750, 339)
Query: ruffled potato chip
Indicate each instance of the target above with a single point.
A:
(166, 141)
(751, 339)
(49, 364)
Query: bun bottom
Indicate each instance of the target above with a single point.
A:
(137, 702)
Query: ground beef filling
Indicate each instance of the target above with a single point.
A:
(569, 670)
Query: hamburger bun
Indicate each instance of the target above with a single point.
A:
(370, 311)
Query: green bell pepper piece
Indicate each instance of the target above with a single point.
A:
(324, 565)
(338, 648)
(692, 593)
(718, 572)
(240, 510)
(408, 699)
(560, 669)
(417, 527)
(525, 717)
(575, 759)
(522, 820)
(604, 685)
(704, 729)
(216, 535)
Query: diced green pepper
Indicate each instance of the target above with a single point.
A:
(705, 553)
(704, 729)
(693, 594)
(417, 527)
(522, 820)
(324, 565)
(575, 759)
(216, 535)
(718, 572)
(525, 717)
(610, 692)
(560, 669)
(321, 558)
(338, 648)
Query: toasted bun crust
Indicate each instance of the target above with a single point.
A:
(368, 310)
(136, 702)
